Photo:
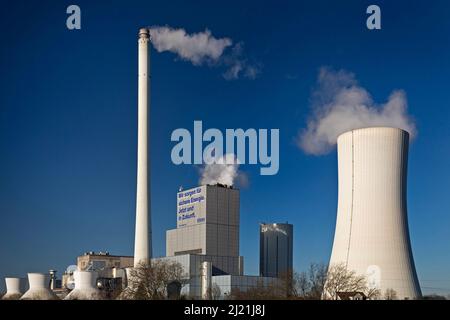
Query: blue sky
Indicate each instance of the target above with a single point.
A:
(68, 110)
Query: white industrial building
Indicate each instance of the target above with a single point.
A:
(372, 236)
(207, 222)
(208, 231)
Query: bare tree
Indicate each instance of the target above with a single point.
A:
(317, 278)
(390, 294)
(302, 285)
(340, 279)
(373, 293)
(318, 282)
(215, 292)
(149, 282)
(285, 286)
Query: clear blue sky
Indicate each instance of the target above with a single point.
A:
(68, 111)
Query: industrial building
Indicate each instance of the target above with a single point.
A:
(102, 260)
(207, 222)
(276, 254)
(109, 270)
(208, 232)
(205, 243)
(372, 236)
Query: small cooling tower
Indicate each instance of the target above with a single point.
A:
(372, 236)
(85, 286)
(13, 288)
(39, 288)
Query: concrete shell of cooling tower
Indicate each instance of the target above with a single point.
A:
(14, 288)
(372, 236)
(85, 286)
(39, 288)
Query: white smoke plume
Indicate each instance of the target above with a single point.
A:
(340, 104)
(203, 48)
(223, 170)
(238, 65)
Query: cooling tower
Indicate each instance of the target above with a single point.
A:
(142, 241)
(85, 286)
(39, 288)
(13, 288)
(372, 236)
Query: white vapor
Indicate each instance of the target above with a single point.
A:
(340, 104)
(223, 170)
(197, 47)
(203, 48)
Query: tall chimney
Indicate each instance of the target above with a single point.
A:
(142, 241)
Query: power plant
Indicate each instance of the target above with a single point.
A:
(372, 236)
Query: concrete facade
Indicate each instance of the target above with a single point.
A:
(207, 222)
(372, 236)
(208, 232)
(98, 261)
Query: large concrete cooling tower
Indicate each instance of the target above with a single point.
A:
(372, 236)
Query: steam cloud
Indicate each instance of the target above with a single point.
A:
(340, 104)
(223, 170)
(203, 48)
